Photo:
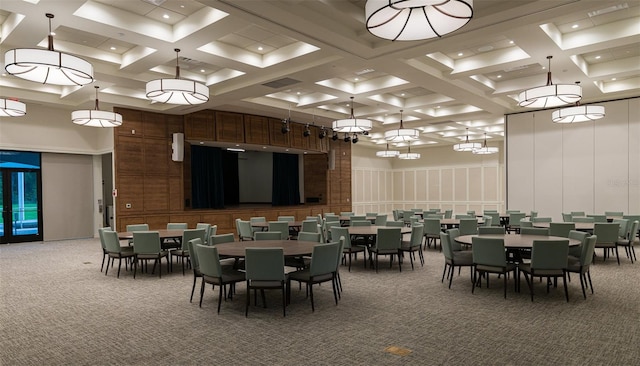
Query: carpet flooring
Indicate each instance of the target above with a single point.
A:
(57, 308)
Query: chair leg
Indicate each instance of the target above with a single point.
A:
(219, 296)
(246, 309)
(443, 271)
(193, 288)
(451, 270)
(582, 284)
(104, 255)
(284, 299)
(201, 292)
(311, 295)
(617, 255)
(107, 270)
(564, 284)
(590, 284)
(119, 266)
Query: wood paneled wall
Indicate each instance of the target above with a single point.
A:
(153, 189)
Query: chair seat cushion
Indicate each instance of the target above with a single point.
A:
(526, 267)
(180, 253)
(163, 253)
(305, 276)
(463, 258)
(353, 249)
(126, 248)
(494, 269)
(384, 251)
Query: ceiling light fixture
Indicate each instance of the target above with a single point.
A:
(578, 113)
(484, 150)
(412, 20)
(550, 95)
(466, 145)
(177, 91)
(387, 153)
(12, 108)
(96, 117)
(409, 155)
(48, 66)
(352, 124)
(402, 134)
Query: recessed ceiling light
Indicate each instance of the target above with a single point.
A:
(437, 106)
(499, 76)
(260, 48)
(574, 26)
(201, 142)
(298, 93)
(112, 48)
(264, 147)
(460, 53)
(597, 57)
(182, 6)
(356, 79)
(510, 42)
(201, 70)
(614, 79)
(166, 16)
(347, 104)
(402, 94)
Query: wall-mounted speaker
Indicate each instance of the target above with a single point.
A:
(177, 147)
(332, 159)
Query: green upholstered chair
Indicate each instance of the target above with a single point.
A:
(514, 221)
(195, 264)
(264, 270)
(322, 269)
(471, 213)
(534, 231)
(581, 264)
(395, 224)
(468, 226)
(549, 258)
(331, 218)
(566, 217)
(414, 244)
(561, 228)
(576, 250)
(309, 226)
(583, 219)
(357, 218)
(607, 234)
(244, 229)
(102, 244)
(280, 226)
(221, 238)
(213, 273)
(349, 249)
(346, 213)
(388, 241)
(267, 235)
(256, 220)
(207, 228)
(486, 230)
(461, 216)
(183, 251)
(624, 227)
(627, 241)
(488, 221)
(136, 227)
(489, 256)
(495, 218)
(307, 236)
(381, 220)
(177, 226)
(614, 213)
(599, 218)
(454, 233)
(314, 218)
(454, 258)
(287, 218)
(146, 246)
(448, 214)
(359, 222)
(432, 230)
(542, 219)
(533, 214)
(114, 250)
(406, 217)
(577, 213)
(525, 223)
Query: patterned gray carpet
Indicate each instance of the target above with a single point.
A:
(57, 308)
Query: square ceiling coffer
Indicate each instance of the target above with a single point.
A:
(281, 83)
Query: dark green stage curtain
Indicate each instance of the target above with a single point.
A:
(207, 187)
(286, 188)
(230, 177)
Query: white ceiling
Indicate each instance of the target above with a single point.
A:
(468, 79)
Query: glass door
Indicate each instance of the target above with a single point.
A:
(20, 203)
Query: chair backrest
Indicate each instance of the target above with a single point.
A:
(541, 219)
(371, 214)
(357, 218)
(101, 235)
(193, 256)
(624, 227)
(388, 238)
(337, 232)
(586, 255)
(264, 264)
(207, 228)
(417, 231)
(485, 230)
(534, 231)
(331, 217)
(209, 261)
(448, 214)
(245, 230)
(340, 251)
(471, 213)
(509, 212)
(306, 236)
(267, 235)
(111, 242)
(583, 219)
(281, 226)
(525, 223)
(489, 211)
(310, 226)
(359, 222)
(614, 213)
(406, 216)
(445, 242)
(515, 217)
(488, 251)
(221, 238)
(137, 227)
(631, 233)
(577, 213)
(396, 215)
(314, 218)
(381, 220)
(533, 214)
(395, 224)
(468, 226)
(566, 217)
(192, 234)
(578, 235)
(177, 226)
(432, 227)
(323, 258)
(287, 218)
(561, 228)
(549, 254)
(453, 234)
(488, 220)
(495, 218)
(598, 218)
(606, 232)
(345, 213)
(257, 219)
(146, 242)
(238, 228)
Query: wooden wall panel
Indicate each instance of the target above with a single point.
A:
(296, 137)
(229, 127)
(276, 137)
(176, 200)
(315, 177)
(133, 125)
(154, 124)
(256, 130)
(156, 156)
(156, 194)
(128, 156)
(130, 191)
(200, 126)
(190, 219)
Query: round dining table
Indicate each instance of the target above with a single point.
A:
(373, 230)
(515, 241)
(580, 226)
(450, 223)
(265, 224)
(164, 234)
(291, 248)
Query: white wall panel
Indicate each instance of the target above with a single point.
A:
(577, 164)
(548, 166)
(409, 185)
(476, 183)
(421, 185)
(519, 160)
(634, 156)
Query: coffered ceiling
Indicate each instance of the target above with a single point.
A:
(308, 57)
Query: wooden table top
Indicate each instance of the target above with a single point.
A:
(164, 234)
(373, 230)
(291, 248)
(516, 241)
(456, 222)
(581, 226)
(348, 218)
(265, 224)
